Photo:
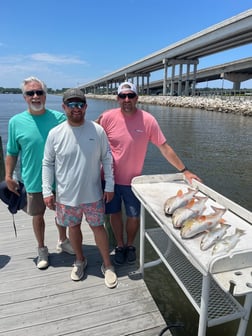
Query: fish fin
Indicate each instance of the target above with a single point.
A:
(222, 221)
(190, 203)
(191, 190)
(180, 193)
(204, 209)
(199, 198)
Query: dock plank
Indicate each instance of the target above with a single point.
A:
(47, 302)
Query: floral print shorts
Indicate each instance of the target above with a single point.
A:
(72, 215)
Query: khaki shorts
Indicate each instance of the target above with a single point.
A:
(35, 204)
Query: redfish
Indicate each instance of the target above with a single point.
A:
(214, 235)
(194, 226)
(192, 209)
(179, 200)
(228, 242)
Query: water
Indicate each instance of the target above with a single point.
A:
(216, 146)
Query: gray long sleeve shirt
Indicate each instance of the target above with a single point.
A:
(73, 158)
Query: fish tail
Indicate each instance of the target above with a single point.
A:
(216, 209)
(223, 223)
(240, 232)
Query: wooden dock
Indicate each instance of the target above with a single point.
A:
(47, 302)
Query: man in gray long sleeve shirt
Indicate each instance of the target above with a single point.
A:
(74, 154)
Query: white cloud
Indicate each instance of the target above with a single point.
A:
(58, 59)
(42, 57)
(56, 70)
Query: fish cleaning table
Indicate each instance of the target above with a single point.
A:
(210, 281)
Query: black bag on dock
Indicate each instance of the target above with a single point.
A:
(14, 202)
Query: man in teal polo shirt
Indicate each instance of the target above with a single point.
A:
(27, 133)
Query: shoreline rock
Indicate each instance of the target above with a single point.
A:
(235, 105)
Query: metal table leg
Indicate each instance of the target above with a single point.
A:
(204, 305)
(244, 320)
(142, 236)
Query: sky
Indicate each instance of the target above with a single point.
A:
(69, 43)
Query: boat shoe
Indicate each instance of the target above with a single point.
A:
(65, 246)
(43, 256)
(109, 275)
(130, 254)
(119, 258)
(78, 270)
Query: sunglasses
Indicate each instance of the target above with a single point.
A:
(33, 92)
(129, 95)
(75, 104)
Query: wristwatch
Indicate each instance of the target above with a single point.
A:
(183, 170)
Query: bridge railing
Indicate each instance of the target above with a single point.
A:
(226, 94)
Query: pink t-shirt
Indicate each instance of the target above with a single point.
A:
(129, 137)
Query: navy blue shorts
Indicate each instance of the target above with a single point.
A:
(124, 194)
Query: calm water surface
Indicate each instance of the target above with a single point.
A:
(216, 146)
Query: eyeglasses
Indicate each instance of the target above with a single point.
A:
(129, 95)
(75, 104)
(33, 92)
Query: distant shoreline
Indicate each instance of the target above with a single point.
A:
(235, 105)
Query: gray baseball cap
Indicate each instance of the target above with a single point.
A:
(74, 93)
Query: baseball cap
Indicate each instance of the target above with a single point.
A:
(125, 86)
(74, 93)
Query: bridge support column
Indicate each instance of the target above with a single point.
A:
(142, 86)
(194, 78)
(180, 79)
(236, 86)
(172, 80)
(137, 85)
(148, 85)
(179, 85)
(165, 62)
(187, 80)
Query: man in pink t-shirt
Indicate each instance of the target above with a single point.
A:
(129, 131)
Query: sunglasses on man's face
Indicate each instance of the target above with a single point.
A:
(33, 92)
(72, 105)
(129, 95)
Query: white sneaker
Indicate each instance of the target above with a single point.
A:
(42, 261)
(65, 246)
(110, 276)
(78, 270)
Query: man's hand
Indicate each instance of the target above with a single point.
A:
(107, 196)
(50, 202)
(12, 185)
(189, 176)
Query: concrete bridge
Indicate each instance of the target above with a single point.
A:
(236, 71)
(177, 59)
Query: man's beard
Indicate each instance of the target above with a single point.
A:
(36, 107)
